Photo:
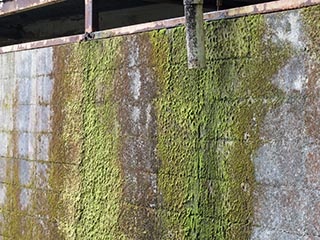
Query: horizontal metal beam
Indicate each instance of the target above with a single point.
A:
(16, 6)
(41, 44)
(262, 8)
(250, 1)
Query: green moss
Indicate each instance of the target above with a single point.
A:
(311, 24)
(13, 218)
(208, 124)
(90, 133)
(208, 127)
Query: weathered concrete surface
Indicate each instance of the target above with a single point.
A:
(287, 163)
(135, 92)
(117, 139)
(25, 133)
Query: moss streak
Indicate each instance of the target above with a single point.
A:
(311, 22)
(90, 133)
(208, 127)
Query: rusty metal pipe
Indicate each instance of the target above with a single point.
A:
(195, 33)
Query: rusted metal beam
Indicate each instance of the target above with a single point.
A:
(195, 33)
(138, 28)
(41, 44)
(263, 8)
(16, 6)
(252, 1)
(91, 16)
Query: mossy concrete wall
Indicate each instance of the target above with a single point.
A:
(117, 139)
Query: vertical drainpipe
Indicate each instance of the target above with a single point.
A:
(195, 33)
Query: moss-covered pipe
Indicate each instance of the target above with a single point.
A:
(195, 33)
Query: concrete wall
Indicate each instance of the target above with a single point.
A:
(25, 134)
(117, 139)
(287, 163)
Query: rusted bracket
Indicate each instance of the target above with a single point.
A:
(87, 37)
(91, 16)
(195, 33)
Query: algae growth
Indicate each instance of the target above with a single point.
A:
(207, 131)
